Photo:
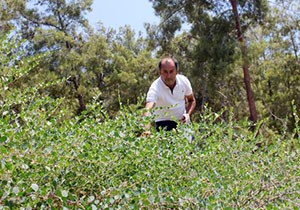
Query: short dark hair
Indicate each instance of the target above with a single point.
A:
(173, 59)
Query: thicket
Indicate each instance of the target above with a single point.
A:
(109, 66)
(94, 161)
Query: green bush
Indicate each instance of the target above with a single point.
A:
(95, 162)
(92, 164)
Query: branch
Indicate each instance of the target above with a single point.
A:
(180, 7)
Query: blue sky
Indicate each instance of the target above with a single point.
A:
(117, 13)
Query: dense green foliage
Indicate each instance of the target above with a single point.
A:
(110, 66)
(71, 111)
(211, 56)
(97, 162)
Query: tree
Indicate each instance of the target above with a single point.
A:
(100, 64)
(240, 37)
(212, 30)
(53, 27)
(132, 68)
(275, 64)
(21, 103)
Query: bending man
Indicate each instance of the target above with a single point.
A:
(170, 93)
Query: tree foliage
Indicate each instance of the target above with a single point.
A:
(275, 59)
(99, 63)
(212, 57)
(117, 66)
(100, 162)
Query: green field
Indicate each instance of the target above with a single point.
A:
(103, 163)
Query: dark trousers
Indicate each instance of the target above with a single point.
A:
(167, 125)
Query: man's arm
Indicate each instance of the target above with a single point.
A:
(149, 105)
(191, 104)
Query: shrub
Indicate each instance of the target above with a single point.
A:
(94, 161)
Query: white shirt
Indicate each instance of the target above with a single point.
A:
(169, 105)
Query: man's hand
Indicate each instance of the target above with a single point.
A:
(185, 118)
(149, 105)
(147, 127)
(146, 134)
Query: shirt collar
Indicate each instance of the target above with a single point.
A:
(165, 86)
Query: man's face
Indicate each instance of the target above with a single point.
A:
(168, 72)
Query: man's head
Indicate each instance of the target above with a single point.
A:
(168, 71)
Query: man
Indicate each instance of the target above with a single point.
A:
(169, 94)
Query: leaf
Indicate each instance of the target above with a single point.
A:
(91, 198)
(25, 166)
(35, 187)
(16, 190)
(3, 139)
(64, 193)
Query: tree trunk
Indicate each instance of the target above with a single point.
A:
(251, 102)
(82, 106)
(294, 45)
